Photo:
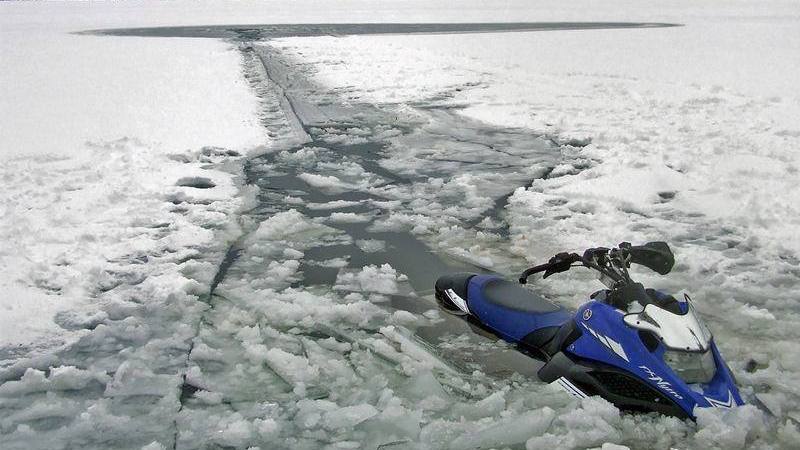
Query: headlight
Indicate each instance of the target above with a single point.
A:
(692, 367)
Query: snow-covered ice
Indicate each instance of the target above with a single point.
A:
(100, 141)
(124, 191)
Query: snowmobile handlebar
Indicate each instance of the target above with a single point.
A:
(611, 262)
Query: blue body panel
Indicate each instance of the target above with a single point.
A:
(605, 326)
(607, 339)
(511, 324)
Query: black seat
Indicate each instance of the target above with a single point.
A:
(510, 295)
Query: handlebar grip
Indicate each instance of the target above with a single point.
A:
(523, 279)
(559, 263)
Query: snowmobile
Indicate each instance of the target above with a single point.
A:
(639, 348)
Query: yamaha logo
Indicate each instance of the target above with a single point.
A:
(587, 314)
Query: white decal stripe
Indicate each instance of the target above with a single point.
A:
(566, 388)
(720, 404)
(570, 388)
(458, 301)
(617, 348)
(578, 392)
(611, 344)
(581, 394)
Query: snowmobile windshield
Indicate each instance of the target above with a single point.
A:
(683, 332)
(692, 367)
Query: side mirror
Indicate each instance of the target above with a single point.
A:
(655, 256)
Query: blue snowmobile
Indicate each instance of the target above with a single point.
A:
(639, 348)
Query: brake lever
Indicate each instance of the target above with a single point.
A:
(561, 263)
(595, 253)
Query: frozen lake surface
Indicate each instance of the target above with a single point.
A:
(265, 277)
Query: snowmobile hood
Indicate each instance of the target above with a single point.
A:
(608, 339)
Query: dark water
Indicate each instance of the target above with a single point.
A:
(403, 250)
(265, 31)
